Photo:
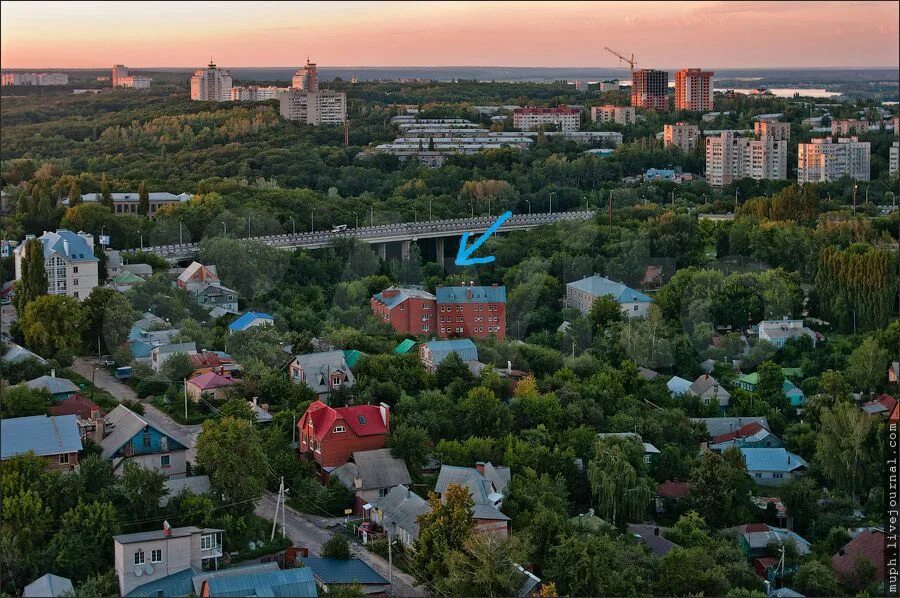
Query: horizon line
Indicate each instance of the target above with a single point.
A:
(454, 66)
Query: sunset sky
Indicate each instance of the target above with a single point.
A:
(553, 34)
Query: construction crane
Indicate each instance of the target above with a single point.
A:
(631, 61)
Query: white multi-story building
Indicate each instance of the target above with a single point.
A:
(894, 159)
(621, 115)
(821, 161)
(42, 79)
(325, 107)
(581, 85)
(772, 128)
(564, 117)
(69, 261)
(255, 93)
(730, 158)
(211, 85)
(122, 78)
(848, 126)
(611, 85)
(306, 78)
(681, 135)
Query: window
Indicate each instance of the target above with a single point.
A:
(75, 271)
(336, 379)
(382, 492)
(139, 557)
(75, 294)
(338, 429)
(402, 307)
(778, 475)
(362, 419)
(64, 459)
(206, 542)
(156, 556)
(146, 440)
(635, 308)
(164, 461)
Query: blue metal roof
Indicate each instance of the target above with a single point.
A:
(68, 245)
(464, 347)
(678, 386)
(247, 319)
(660, 173)
(340, 571)
(771, 459)
(471, 294)
(44, 435)
(403, 293)
(177, 584)
(288, 583)
(598, 286)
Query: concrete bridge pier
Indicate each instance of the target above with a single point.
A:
(382, 251)
(405, 247)
(439, 250)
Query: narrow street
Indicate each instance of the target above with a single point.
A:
(185, 434)
(311, 532)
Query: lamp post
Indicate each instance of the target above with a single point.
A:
(372, 215)
(312, 220)
(180, 231)
(248, 227)
(356, 215)
(529, 206)
(141, 234)
(225, 228)
(429, 209)
(293, 225)
(473, 209)
(551, 203)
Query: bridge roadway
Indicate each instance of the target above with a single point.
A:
(404, 232)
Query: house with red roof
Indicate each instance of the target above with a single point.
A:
(210, 385)
(669, 493)
(882, 405)
(213, 361)
(85, 410)
(867, 546)
(752, 435)
(329, 435)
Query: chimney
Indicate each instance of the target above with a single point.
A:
(479, 467)
(789, 458)
(255, 401)
(385, 414)
(100, 429)
(508, 367)
(66, 247)
(167, 529)
(53, 373)
(655, 531)
(408, 493)
(387, 293)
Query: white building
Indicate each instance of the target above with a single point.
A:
(611, 85)
(772, 128)
(821, 161)
(730, 158)
(894, 160)
(325, 107)
(581, 294)
(69, 261)
(848, 126)
(122, 78)
(564, 117)
(41, 79)
(581, 85)
(255, 93)
(681, 135)
(211, 84)
(621, 115)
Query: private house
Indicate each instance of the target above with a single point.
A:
(59, 388)
(471, 311)
(210, 385)
(650, 536)
(669, 494)
(127, 203)
(791, 392)
(55, 438)
(647, 374)
(263, 579)
(213, 361)
(161, 353)
(115, 266)
(716, 426)
(249, 320)
(582, 293)
(398, 513)
(408, 310)
(710, 391)
(69, 261)
(217, 296)
(894, 372)
(152, 557)
(370, 475)
(333, 574)
(882, 405)
(125, 436)
(781, 513)
(753, 435)
(196, 277)
(650, 451)
(433, 352)
(124, 280)
(143, 342)
(17, 353)
(329, 436)
(323, 372)
(867, 546)
(405, 347)
(772, 466)
(49, 586)
(754, 539)
(678, 386)
(85, 410)
(778, 332)
(486, 484)
(197, 485)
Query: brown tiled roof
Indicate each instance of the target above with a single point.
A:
(869, 545)
(673, 489)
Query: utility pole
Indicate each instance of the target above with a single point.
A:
(185, 399)
(551, 203)
(610, 207)
(855, 187)
(391, 559)
(99, 357)
(278, 501)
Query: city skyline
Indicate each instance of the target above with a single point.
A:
(667, 35)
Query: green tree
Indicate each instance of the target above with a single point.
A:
(74, 193)
(105, 193)
(442, 530)
(52, 325)
(605, 311)
(721, 489)
(230, 451)
(616, 475)
(865, 366)
(239, 409)
(596, 564)
(99, 585)
(143, 207)
(770, 384)
(815, 578)
(336, 547)
(33, 283)
(410, 443)
(141, 490)
(108, 316)
(178, 366)
(483, 411)
(841, 447)
(21, 401)
(486, 566)
(25, 524)
(691, 572)
(81, 547)
(689, 531)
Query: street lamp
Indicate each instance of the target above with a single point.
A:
(248, 226)
(551, 203)
(356, 215)
(225, 228)
(293, 225)
(429, 209)
(529, 206)
(372, 215)
(180, 231)
(473, 209)
(312, 220)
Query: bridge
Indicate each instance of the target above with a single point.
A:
(380, 236)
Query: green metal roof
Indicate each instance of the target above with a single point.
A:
(351, 356)
(749, 378)
(404, 347)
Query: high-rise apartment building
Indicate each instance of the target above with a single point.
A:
(255, 93)
(681, 135)
(772, 128)
(730, 158)
(894, 159)
(610, 85)
(306, 78)
(528, 118)
(821, 161)
(649, 89)
(694, 90)
(621, 115)
(848, 126)
(122, 78)
(325, 107)
(211, 84)
(40, 79)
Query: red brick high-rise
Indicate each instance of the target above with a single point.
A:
(650, 89)
(694, 90)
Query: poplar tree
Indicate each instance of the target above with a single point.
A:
(106, 195)
(143, 200)
(33, 283)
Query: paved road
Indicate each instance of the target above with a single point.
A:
(311, 532)
(185, 434)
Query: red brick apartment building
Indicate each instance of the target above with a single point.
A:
(407, 310)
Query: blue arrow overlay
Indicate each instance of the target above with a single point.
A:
(462, 256)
